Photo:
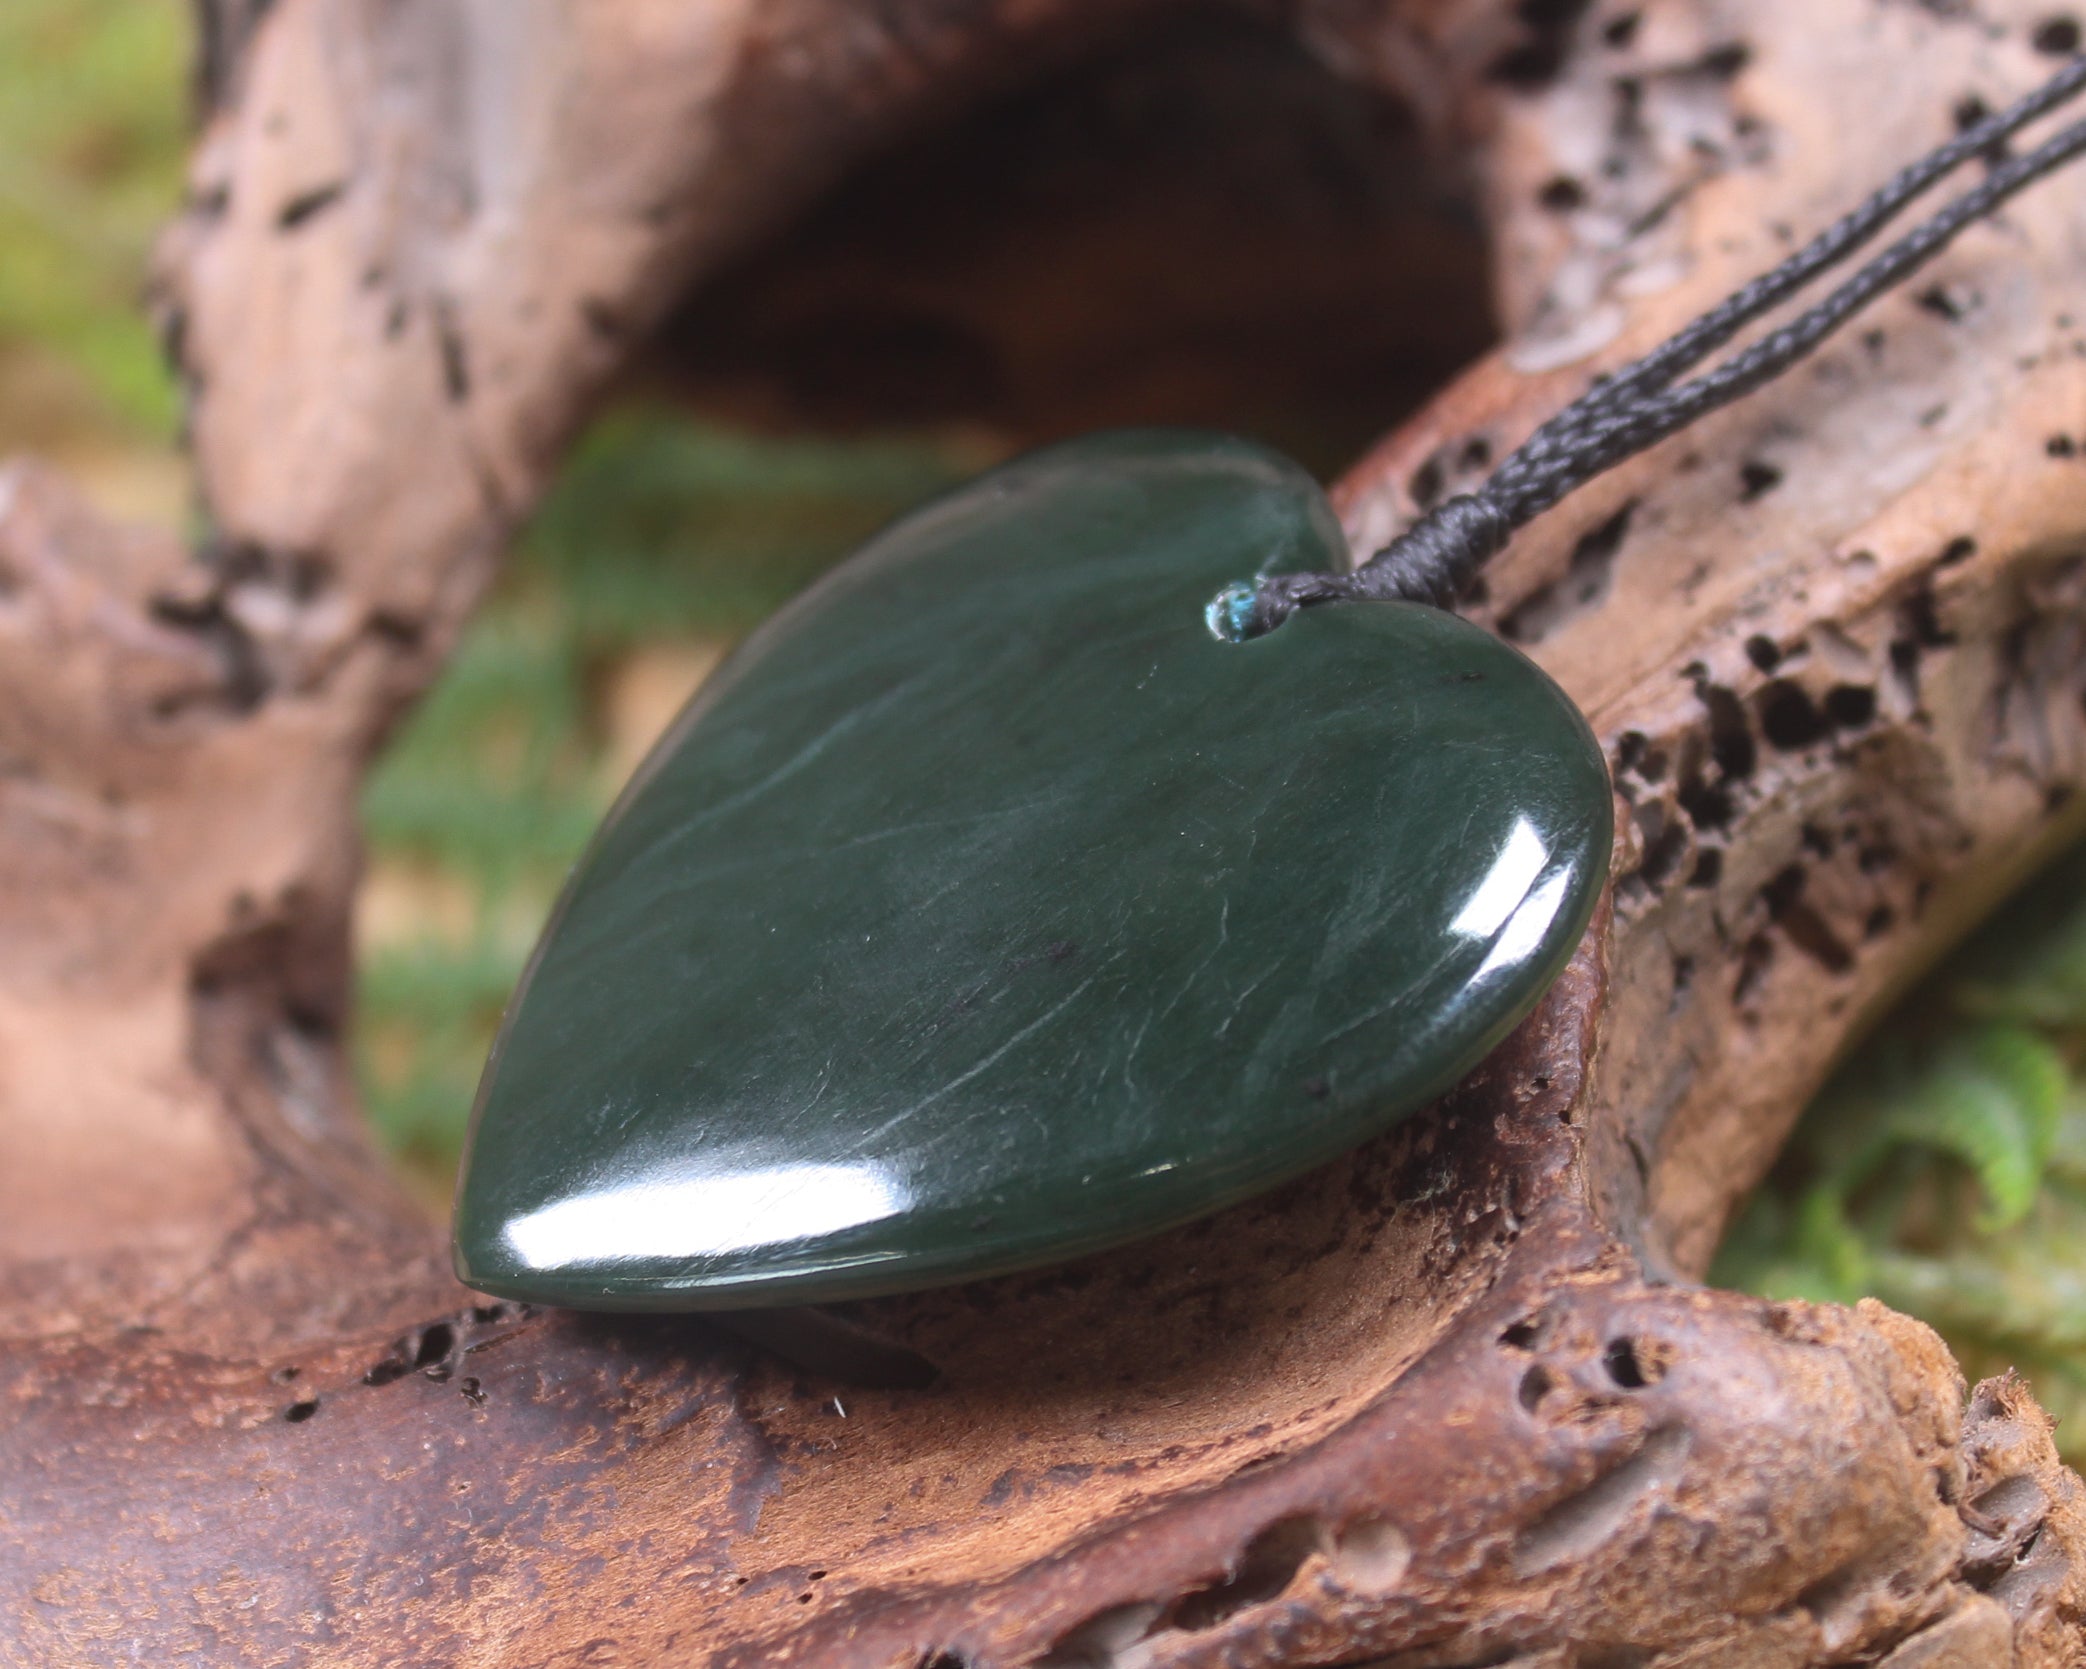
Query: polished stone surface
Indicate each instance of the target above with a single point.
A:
(985, 909)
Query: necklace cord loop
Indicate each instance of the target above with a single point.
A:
(1625, 413)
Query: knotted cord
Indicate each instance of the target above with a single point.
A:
(1621, 415)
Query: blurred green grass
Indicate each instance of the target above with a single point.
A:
(93, 121)
(1944, 1169)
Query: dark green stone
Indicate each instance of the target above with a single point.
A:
(985, 909)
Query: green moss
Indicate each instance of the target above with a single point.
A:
(1943, 1170)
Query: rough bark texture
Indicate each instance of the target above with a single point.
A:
(1447, 1402)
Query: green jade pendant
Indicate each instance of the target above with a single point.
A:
(988, 908)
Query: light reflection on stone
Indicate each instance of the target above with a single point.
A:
(1505, 885)
(718, 1214)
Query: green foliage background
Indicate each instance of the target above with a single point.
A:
(93, 120)
(1944, 1170)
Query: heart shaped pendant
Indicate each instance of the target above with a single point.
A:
(986, 908)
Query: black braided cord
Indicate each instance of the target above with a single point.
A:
(1626, 413)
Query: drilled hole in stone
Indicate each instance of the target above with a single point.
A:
(1535, 1386)
(298, 1412)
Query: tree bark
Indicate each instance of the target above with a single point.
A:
(1453, 1400)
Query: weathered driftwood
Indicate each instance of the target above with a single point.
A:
(1450, 1401)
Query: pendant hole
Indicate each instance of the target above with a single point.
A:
(1233, 615)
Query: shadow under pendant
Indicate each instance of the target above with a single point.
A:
(987, 907)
